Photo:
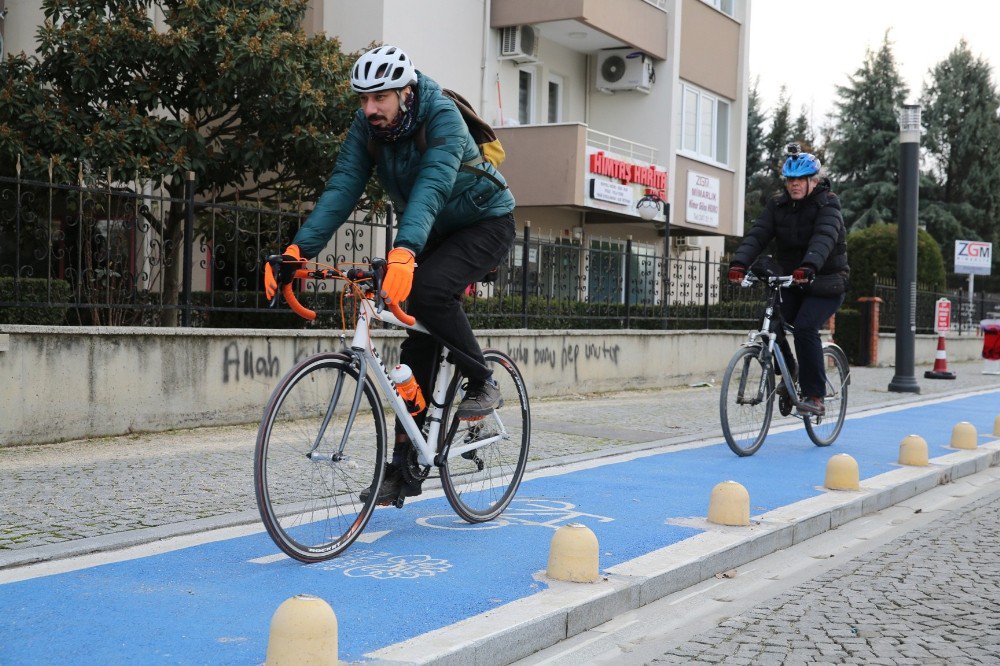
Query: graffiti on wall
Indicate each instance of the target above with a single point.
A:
(247, 363)
(243, 360)
(564, 357)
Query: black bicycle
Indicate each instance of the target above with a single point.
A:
(749, 388)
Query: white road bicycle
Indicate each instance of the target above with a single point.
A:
(746, 402)
(322, 439)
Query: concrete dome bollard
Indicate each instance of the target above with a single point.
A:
(996, 426)
(573, 554)
(842, 473)
(729, 504)
(303, 632)
(913, 451)
(963, 436)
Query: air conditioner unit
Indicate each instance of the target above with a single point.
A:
(624, 69)
(519, 43)
(685, 243)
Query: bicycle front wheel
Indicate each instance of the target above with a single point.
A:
(823, 430)
(747, 400)
(481, 480)
(320, 443)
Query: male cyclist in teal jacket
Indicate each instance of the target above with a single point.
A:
(455, 222)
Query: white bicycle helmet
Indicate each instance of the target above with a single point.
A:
(382, 68)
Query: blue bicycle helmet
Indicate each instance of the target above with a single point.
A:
(799, 164)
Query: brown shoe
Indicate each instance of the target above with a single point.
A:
(812, 406)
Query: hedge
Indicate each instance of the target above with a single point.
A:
(34, 290)
(847, 333)
(505, 312)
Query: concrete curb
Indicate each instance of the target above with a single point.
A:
(523, 627)
(121, 540)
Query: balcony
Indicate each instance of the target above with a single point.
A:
(590, 25)
(547, 165)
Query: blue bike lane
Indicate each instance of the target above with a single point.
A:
(425, 568)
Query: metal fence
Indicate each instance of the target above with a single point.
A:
(114, 253)
(965, 314)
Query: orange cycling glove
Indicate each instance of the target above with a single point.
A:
(292, 261)
(398, 276)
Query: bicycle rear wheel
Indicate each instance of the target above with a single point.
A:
(823, 430)
(746, 401)
(312, 462)
(481, 482)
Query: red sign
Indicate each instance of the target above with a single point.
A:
(627, 172)
(942, 315)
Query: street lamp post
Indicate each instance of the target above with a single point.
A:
(904, 380)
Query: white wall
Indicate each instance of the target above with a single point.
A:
(22, 22)
(570, 65)
(444, 39)
(113, 381)
(356, 24)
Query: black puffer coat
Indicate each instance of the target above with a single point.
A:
(809, 232)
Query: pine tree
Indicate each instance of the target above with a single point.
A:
(778, 136)
(864, 144)
(755, 162)
(804, 135)
(962, 138)
(756, 176)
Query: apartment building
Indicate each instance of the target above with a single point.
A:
(598, 103)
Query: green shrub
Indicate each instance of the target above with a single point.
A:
(34, 290)
(847, 333)
(871, 253)
(505, 312)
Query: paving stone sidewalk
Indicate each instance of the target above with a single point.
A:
(929, 597)
(56, 493)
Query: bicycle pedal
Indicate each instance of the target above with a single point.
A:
(398, 502)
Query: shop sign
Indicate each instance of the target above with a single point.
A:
(615, 183)
(973, 257)
(605, 190)
(702, 206)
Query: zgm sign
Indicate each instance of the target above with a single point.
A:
(973, 257)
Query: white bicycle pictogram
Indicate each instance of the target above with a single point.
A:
(532, 512)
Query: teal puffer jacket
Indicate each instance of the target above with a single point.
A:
(429, 192)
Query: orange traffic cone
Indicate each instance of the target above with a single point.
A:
(940, 370)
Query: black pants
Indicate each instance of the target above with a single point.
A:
(806, 314)
(444, 269)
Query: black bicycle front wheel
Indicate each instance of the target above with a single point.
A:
(313, 458)
(481, 481)
(824, 430)
(746, 401)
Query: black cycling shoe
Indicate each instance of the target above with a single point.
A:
(479, 401)
(394, 488)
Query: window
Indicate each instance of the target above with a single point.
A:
(555, 99)
(724, 6)
(705, 125)
(525, 96)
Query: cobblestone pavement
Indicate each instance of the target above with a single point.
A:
(55, 493)
(931, 596)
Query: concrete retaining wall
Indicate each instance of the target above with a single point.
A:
(64, 383)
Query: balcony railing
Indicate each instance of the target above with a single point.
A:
(620, 146)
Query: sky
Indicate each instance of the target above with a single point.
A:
(811, 46)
